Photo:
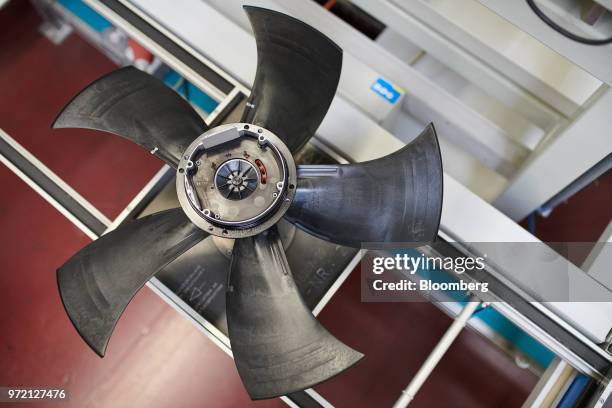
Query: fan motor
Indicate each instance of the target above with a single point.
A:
(236, 180)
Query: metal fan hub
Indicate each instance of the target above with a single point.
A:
(236, 180)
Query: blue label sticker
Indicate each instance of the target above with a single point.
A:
(387, 90)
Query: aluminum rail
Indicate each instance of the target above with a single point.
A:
(436, 354)
(53, 189)
(170, 49)
(533, 317)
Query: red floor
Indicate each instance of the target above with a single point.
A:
(583, 218)
(155, 358)
(36, 80)
(397, 338)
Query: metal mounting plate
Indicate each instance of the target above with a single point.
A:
(215, 212)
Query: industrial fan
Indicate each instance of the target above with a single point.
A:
(237, 181)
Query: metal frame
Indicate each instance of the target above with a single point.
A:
(457, 224)
(171, 50)
(551, 385)
(431, 27)
(474, 142)
(446, 341)
(467, 26)
(559, 375)
(79, 212)
(424, 100)
(453, 226)
(456, 122)
(53, 189)
(568, 153)
(536, 319)
(53, 27)
(595, 264)
(596, 60)
(440, 41)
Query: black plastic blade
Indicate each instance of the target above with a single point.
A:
(200, 278)
(278, 345)
(397, 198)
(99, 281)
(298, 69)
(139, 107)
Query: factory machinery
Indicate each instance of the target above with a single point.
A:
(500, 121)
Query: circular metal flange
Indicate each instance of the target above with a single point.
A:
(286, 230)
(236, 180)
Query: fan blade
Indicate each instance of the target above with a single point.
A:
(278, 345)
(397, 198)
(99, 281)
(139, 107)
(200, 277)
(298, 69)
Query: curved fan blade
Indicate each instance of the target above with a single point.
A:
(139, 107)
(200, 277)
(99, 281)
(397, 198)
(298, 69)
(278, 345)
